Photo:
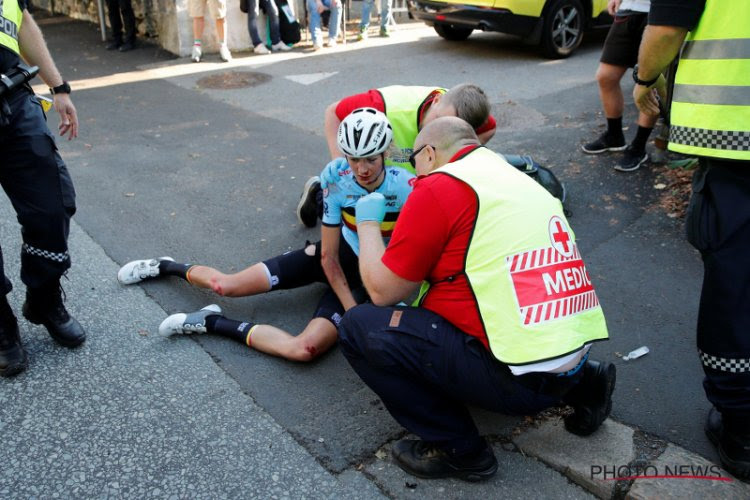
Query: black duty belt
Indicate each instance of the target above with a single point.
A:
(16, 78)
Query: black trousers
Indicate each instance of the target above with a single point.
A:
(37, 182)
(120, 13)
(718, 225)
(427, 371)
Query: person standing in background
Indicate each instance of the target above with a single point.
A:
(316, 8)
(272, 12)
(620, 53)
(121, 17)
(218, 9)
(385, 12)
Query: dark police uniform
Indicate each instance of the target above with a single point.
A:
(710, 118)
(35, 178)
(718, 219)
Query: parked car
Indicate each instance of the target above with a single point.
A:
(556, 25)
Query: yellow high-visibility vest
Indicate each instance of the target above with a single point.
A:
(710, 111)
(532, 290)
(11, 16)
(402, 109)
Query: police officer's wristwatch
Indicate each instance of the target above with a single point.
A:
(63, 88)
(638, 81)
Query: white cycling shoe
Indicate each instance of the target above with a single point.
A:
(138, 270)
(187, 323)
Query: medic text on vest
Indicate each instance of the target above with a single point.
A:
(549, 285)
(551, 282)
(570, 278)
(543, 275)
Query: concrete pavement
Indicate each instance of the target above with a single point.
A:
(133, 415)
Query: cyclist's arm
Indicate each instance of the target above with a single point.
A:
(329, 260)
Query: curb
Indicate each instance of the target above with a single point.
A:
(618, 461)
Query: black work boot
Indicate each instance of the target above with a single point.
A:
(422, 459)
(44, 306)
(591, 398)
(13, 358)
(732, 440)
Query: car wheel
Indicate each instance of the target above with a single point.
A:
(563, 28)
(452, 32)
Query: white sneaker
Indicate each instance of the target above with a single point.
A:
(281, 46)
(197, 53)
(224, 53)
(187, 323)
(331, 42)
(317, 46)
(139, 270)
(261, 49)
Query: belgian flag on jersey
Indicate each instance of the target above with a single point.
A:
(349, 217)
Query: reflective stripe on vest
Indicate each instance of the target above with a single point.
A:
(738, 48)
(711, 105)
(11, 16)
(532, 290)
(402, 109)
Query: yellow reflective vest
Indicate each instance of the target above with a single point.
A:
(402, 109)
(11, 16)
(532, 290)
(710, 111)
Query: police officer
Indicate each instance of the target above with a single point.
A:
(710, 118)
(37, 182)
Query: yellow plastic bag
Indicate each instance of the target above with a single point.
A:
(46, 103)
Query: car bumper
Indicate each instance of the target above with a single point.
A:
(472, 16)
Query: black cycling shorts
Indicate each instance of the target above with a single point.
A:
(296, 268)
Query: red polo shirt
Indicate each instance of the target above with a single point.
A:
(430, 242)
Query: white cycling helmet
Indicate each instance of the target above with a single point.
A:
(364, 132)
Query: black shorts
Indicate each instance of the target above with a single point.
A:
(624, 40)
(296, 268)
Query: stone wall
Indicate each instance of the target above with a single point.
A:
(149, 14)
(167, 22)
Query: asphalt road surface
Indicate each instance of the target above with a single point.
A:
(167, 165)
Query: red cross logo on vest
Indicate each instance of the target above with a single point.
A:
(560, 236)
